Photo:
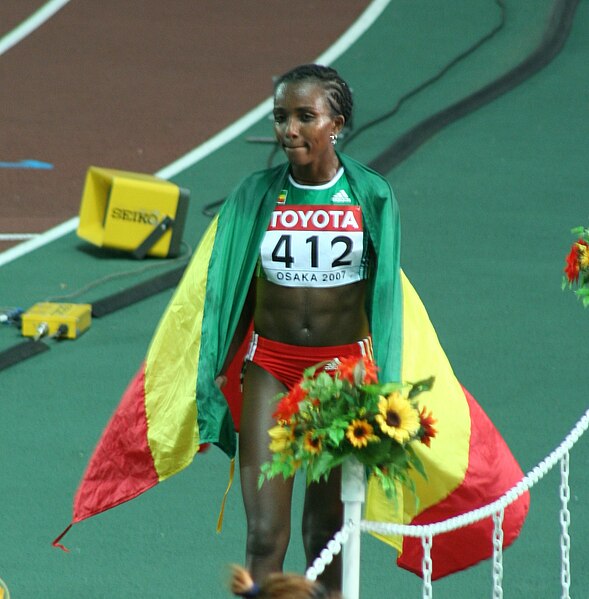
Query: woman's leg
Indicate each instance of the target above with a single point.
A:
(268, 508)
(322, 518)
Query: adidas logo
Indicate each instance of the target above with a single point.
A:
(341, 197)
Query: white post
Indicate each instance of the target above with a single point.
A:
(353, 493)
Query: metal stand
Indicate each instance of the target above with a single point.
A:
(353, 494)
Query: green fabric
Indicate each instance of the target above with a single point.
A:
(242, 223)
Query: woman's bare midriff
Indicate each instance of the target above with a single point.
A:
(311, 316)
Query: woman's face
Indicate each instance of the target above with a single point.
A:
(303, 124)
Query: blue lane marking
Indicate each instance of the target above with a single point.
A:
(27, 164)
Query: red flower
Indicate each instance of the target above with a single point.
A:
(427, 422)
(348, 367)
(370, 370)
(572, 268)
(288, 406)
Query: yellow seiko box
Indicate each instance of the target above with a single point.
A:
(125, 210)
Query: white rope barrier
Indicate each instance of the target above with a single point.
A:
(333, 548)
(495, 510)
(498, 554)
(427, 566)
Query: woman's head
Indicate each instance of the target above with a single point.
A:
(311, 105)
(337, 91)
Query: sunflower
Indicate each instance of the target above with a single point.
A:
(312, 443)
(360, 433)
(583, 254)
(282, 438)
(397, 417)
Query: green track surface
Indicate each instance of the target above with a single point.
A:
(487, 206)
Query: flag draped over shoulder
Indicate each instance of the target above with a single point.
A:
(172, 407)
(154, 431)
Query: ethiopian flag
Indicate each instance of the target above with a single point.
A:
(172, 407)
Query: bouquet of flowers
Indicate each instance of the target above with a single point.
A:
(577, 265)
(327, 417)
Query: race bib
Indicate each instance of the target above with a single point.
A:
(314, 246)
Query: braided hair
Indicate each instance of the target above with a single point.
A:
(339, 94)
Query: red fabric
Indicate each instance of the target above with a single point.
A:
(287, 366)
(286, 362)
(57, 544)
(492, 471)
(121, 466)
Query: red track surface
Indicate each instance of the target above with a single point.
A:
(136, 84)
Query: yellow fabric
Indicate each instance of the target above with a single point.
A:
(222, 510)
(173, 436)
(447, 459)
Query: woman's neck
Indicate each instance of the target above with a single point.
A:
(313, 175)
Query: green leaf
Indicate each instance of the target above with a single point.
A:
(383, 389)
(336, 436)
(278, 397)
(387, 483)
(421, 386)
(321, 466)
(416, 462)
(309, 373)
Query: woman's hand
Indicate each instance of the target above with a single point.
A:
(221, 381)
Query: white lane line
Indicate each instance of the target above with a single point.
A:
(29, 25)
(360, 26)
(15, 237)
(32, 244)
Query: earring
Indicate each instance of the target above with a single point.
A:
(333, 138)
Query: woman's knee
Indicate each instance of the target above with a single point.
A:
(318, 530)
(266, 539)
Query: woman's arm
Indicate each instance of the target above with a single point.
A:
(240, 332)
